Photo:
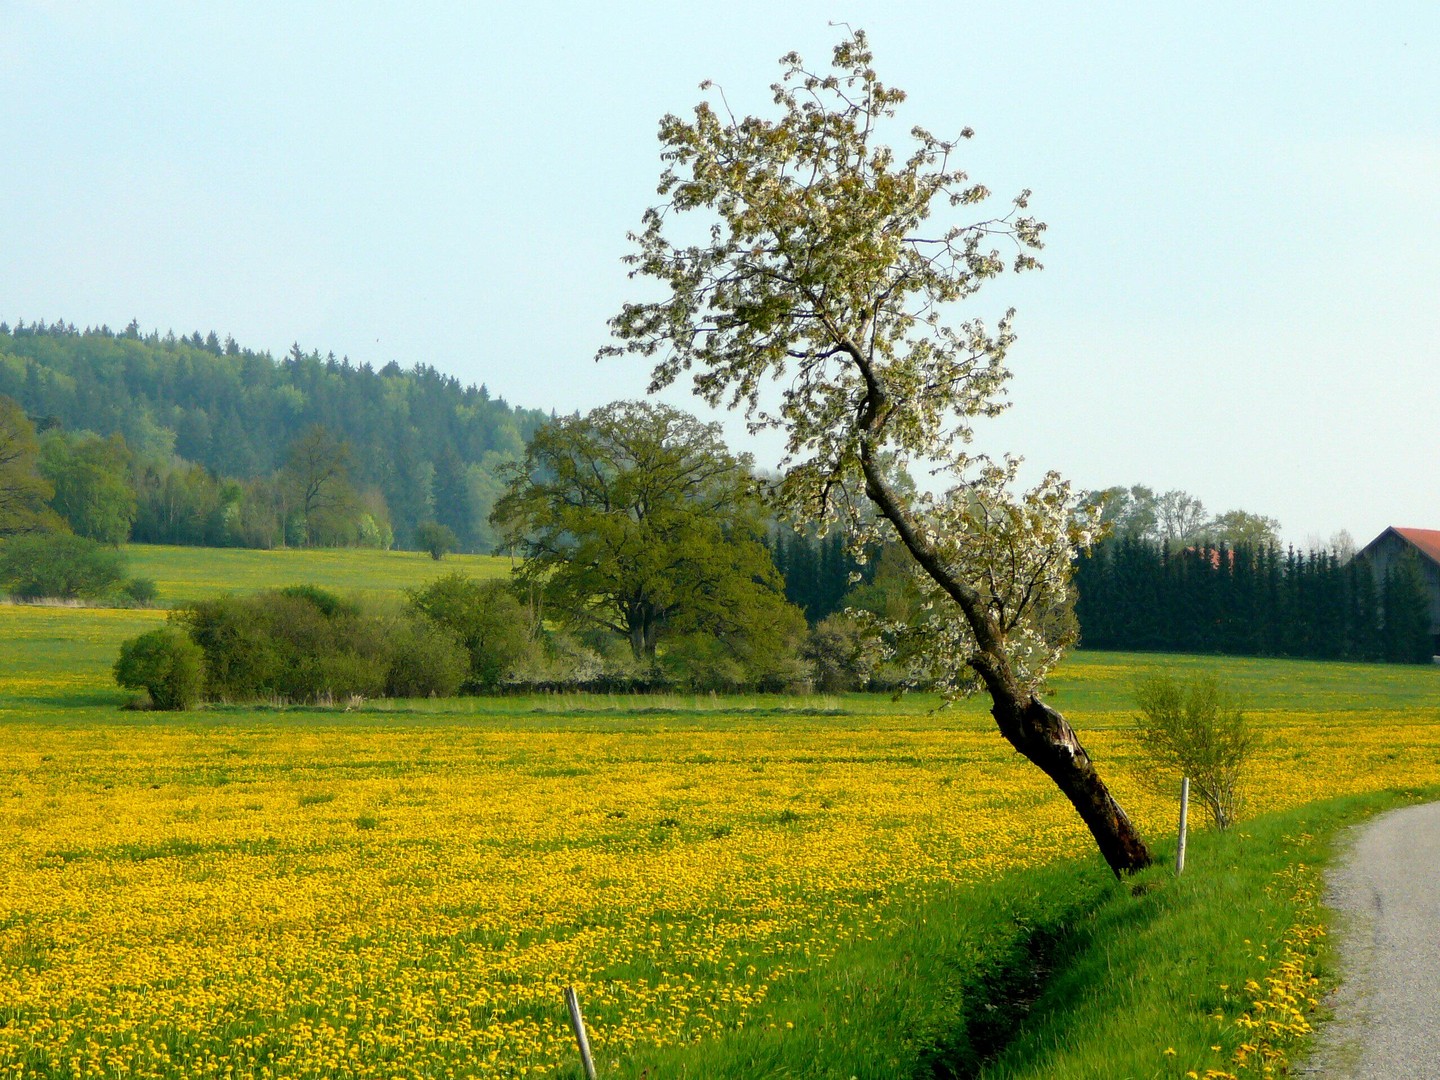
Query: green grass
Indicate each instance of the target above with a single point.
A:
(1061, 973)
(1137, 972)
(194, 573)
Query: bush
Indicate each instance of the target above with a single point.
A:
(140, 590)
(702, 662)
(165, 663)
(300, 643)
(323, 600)
(59, 566)
(1196, 729)
(242, 657)
(437, 539)
(425, 661)
(561, 661)
(840, 650)
(305, 644)
(485, 618)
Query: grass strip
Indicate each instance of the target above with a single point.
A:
(1061, 972)
(1217, 974)
(935, 996)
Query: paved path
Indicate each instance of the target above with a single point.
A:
(1387, 1011)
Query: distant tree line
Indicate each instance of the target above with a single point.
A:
(206, 436)
(1224, 585)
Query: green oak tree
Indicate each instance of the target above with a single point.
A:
(799, 252)
(24, 492)
(637, 519)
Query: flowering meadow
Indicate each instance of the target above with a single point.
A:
(405, 889)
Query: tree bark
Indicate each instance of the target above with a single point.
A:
(644, 628)
(1048, 741)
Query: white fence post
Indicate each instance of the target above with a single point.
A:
(1184, 821)
(572, 1002)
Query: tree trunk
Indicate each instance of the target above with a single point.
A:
(1048, 741)
(644, 626)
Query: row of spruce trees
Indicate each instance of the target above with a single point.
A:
(1138, 594)
(1134, 594)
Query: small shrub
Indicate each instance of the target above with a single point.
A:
(839, 651)
(437, 539)
(305, 644)
(59, 566)
(702, 663)
(242, 658)
(165, 663)
(1197, 729)
(323, 600)
(297, 644)
(559, 660)
(486, 618)
(139, 590)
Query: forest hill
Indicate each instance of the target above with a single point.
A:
(208, 425)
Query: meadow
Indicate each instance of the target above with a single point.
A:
(403, 889)
(195, 573)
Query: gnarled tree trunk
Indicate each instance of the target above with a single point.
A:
(1047, 740)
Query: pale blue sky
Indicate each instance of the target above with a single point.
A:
(1242, 292)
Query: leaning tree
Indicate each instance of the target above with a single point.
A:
(816, 268)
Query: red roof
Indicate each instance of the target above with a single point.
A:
(1427, 540)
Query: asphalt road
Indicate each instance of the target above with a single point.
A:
(1387, 1010)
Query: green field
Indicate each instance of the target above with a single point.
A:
(756, 886)
(190, 573)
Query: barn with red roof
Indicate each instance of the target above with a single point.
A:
(1394, 544)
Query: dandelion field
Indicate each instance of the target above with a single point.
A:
(404, 889)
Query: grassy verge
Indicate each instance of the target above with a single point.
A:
(1062, 972)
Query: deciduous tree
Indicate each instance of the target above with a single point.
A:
(91, 477)
(1197, 729)
(316, 482)
(1236, 527)
(636, 518)
(817, 265)
(23, 491)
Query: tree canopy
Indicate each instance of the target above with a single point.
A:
(91, 480)
(635, 518)
(821, 268)
(24, 492)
